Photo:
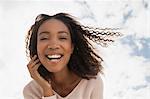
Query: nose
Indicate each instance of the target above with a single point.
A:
(53, 47)
(53, 44)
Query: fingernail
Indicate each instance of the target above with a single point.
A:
(34, 56)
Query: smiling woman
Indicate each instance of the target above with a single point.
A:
(63, 63)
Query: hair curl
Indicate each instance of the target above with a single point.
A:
(84, 61)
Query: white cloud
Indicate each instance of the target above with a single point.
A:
(123, 72)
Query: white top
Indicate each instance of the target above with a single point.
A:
(86, 89)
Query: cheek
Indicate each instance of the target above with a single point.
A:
(70, 49)
(40, 52)
(40, 49)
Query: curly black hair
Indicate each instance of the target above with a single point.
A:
(84, 61)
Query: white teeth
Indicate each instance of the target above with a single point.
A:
(54, 56)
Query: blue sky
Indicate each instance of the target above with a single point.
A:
(144, 51)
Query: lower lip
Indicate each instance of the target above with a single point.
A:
(55, 60)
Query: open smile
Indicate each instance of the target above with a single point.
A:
(54, 57)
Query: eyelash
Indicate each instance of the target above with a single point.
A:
(63, 38)
(43, 38)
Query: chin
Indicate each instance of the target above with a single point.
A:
(55, 68)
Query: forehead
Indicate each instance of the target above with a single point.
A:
(53, 25)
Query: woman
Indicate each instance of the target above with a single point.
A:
(63, 63)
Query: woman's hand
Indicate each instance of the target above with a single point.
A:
(33, 66)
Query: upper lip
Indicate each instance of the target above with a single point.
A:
(54, 54)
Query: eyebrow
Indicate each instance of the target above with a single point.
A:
(44, 32)
(59, 32)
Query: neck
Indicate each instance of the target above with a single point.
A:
(63, 77)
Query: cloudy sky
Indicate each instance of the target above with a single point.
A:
(126, 62)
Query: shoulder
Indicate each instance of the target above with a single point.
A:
(97, 88)
(94, 83)
(92, 88)
(97, 80)
(32, 89)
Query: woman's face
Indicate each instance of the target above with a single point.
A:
(54, 45)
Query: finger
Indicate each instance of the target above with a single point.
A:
(33, 63)
(32, 59)
(34, 71)
(35, 68)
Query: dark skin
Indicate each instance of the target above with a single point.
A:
(62, 88)
(54, 34)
